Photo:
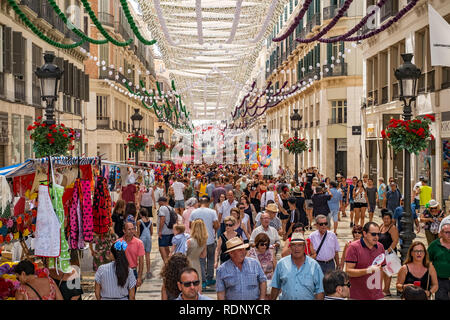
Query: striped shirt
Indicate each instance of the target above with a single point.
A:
(240, 284)
(110, 290)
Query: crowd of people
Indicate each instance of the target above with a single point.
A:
(229, 229)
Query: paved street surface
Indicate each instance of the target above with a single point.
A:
(151, 288)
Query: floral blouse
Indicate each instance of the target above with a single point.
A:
(265, 259)
(102, 246)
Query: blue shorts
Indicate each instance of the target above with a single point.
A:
(334, 215)
(179, 204)
(165, 240)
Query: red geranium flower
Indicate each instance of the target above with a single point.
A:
(49, 135)
(39, 118)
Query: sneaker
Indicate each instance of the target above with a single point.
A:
(210, 282)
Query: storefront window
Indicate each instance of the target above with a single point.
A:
(424, 163)
(446, 169)
(28, 143)
(16, 135)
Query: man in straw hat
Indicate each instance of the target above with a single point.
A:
(297, 276)
(240, 278)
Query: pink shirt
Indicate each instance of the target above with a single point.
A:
(186, 216)
(363, 288)
(135, 249)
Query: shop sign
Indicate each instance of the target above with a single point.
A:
(341, 145)
(445, 128)
(356, 130)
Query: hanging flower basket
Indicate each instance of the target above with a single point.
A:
(53, 140)
(161, 146)
(411, 135)
(136, 143)
(295, 145)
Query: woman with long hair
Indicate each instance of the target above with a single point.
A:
(115, 280)
(357, 234)
(33, 287)
(389, 239)
(255, 195)
(360, 201)
(229, 233)
(222, 198)
(118, 218)
(130, 213)
(241, 225)
(418, 270)
(249, 209)
(170, 273)
(196, 245)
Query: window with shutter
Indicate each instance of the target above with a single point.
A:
(86, 87)
(17, 50)
(1, 48)
(329, 52)
(66, 77)
(70, 79)
(317, 6)
(7, 54)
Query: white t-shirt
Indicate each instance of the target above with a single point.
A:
(147, 199)
(178, 189)
(270, 195)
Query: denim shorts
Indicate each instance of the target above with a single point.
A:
(179, 204)
(165, 240)
(334, 215)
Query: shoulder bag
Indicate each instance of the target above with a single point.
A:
(321, 243)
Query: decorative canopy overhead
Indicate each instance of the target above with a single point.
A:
(210, 47)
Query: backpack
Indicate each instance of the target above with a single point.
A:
(173, 217)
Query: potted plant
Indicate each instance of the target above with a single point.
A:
(295, 145)
(136, 143)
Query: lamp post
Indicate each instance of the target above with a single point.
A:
(136, 119)
(235, 151)
(407, 75)
(295, 125)
(160, 133)
(49, 74)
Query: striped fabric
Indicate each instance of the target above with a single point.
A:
(110, 290)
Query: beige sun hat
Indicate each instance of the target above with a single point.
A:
(235, 244)
(272, 207)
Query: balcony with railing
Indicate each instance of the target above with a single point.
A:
(445, 78)
(32, 4)
(426, 82)
(119, 27)
(106, 19)
(340, 69)
(103, 122)
(430, 81)
(337, 120)
(384, 95)
(36, 95)
(19, 90)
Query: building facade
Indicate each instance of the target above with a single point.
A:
(381, 56)
(331, 103)
(110, 107)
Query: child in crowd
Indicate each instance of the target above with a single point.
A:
(179, 239)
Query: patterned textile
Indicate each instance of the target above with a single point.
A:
(102, 246)
(88, 218)
(63, 262)
(73, 219)
(102, 207)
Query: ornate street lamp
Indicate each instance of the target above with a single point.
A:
(296, 118)
(407, 75)
(136, 119)
(160, 133)
(235, 151)
(49, 74)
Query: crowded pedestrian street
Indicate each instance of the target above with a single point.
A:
(237, 151)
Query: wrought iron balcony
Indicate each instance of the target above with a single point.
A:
(340, 69)
(103, 122)
(106, 19)
(337, 120)
(445, 78)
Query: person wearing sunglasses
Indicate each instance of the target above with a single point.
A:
(326, 245)
(189, 285)
(265, 255)
(439, 251)
(336, 285)
(363, 262)
(357, 234)
(417, 270)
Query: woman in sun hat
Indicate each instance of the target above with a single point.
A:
(432, 217)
